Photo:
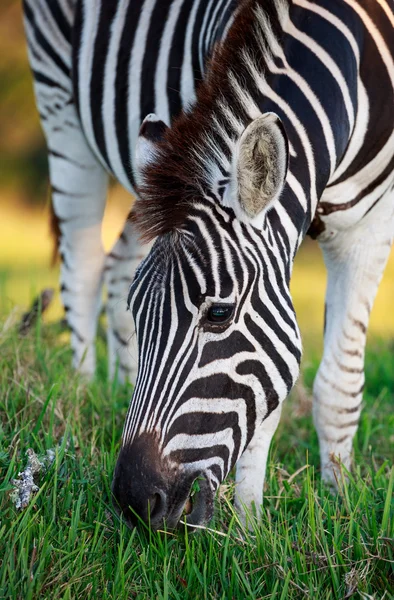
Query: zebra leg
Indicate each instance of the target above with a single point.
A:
(120, 266)
(355, 262)
(79, 186)
(79, 183)
(252, 465)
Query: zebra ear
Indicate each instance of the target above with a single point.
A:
(260, 166)
(152, 131)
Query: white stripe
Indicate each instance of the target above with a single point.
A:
(270, 42)
(108, 107)
(85, 61)
(272, 277)
(344, 219)
(299, 128)
(212, 252)
(204, 465)
(135, 407)
(173, 319)
(202, 440)
(161, 75)
(201, 48)
(220, 21)
(67, 10)
(352, 187)
(377, 37)
(135, 71)
(51, 32)
(359, 132)
(45, 62)
(187, 79)
(361, 123)
(336, 73)
(387, 10)
(167, 399)
(213, 21)
(325, 14)
(297, 189)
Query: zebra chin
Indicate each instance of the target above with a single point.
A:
(147, 490)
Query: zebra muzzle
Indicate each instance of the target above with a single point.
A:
(146, 490)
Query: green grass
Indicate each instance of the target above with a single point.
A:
(69, 544)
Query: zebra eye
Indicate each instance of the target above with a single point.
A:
(219, 313)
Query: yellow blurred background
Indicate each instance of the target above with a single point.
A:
(25, 244)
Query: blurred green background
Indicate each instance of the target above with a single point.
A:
(25, 244)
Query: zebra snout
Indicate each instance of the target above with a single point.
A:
(139, 486)
(136, 503)
(145, 489)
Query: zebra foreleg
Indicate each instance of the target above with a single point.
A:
(355, 261)
(120, 266)
(251, 468)
(79, 186)
(79, 183)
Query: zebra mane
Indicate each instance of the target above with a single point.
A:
(196, 151)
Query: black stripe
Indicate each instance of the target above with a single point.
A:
(327, 208)
(266, 343)
(122, 91)
(269, 319)
(60, 19)
(220, 385)
(67, 158)
(225, 348)
(76, 45)
(257, 369)
(101, 44)
(196, 39)
(190, 455)
(80, 338)
(56, 190)
(44, 44)
(205, 43)
(158, 20)
(44, 79)
(176, 59)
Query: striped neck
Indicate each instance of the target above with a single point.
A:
(255, 70)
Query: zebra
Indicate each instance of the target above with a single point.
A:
(280, 124)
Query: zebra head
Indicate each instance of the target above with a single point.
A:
(218, 341)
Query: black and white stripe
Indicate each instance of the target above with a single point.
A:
(147, 57)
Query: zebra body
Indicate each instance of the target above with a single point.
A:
(136, 79)
(291, 130)
(91, 110)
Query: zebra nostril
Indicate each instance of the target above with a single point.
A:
(157, 506)
(188, 506)
(192, 498)
(198, 507)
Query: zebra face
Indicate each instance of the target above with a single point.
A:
(214, 361)
(219, 349)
